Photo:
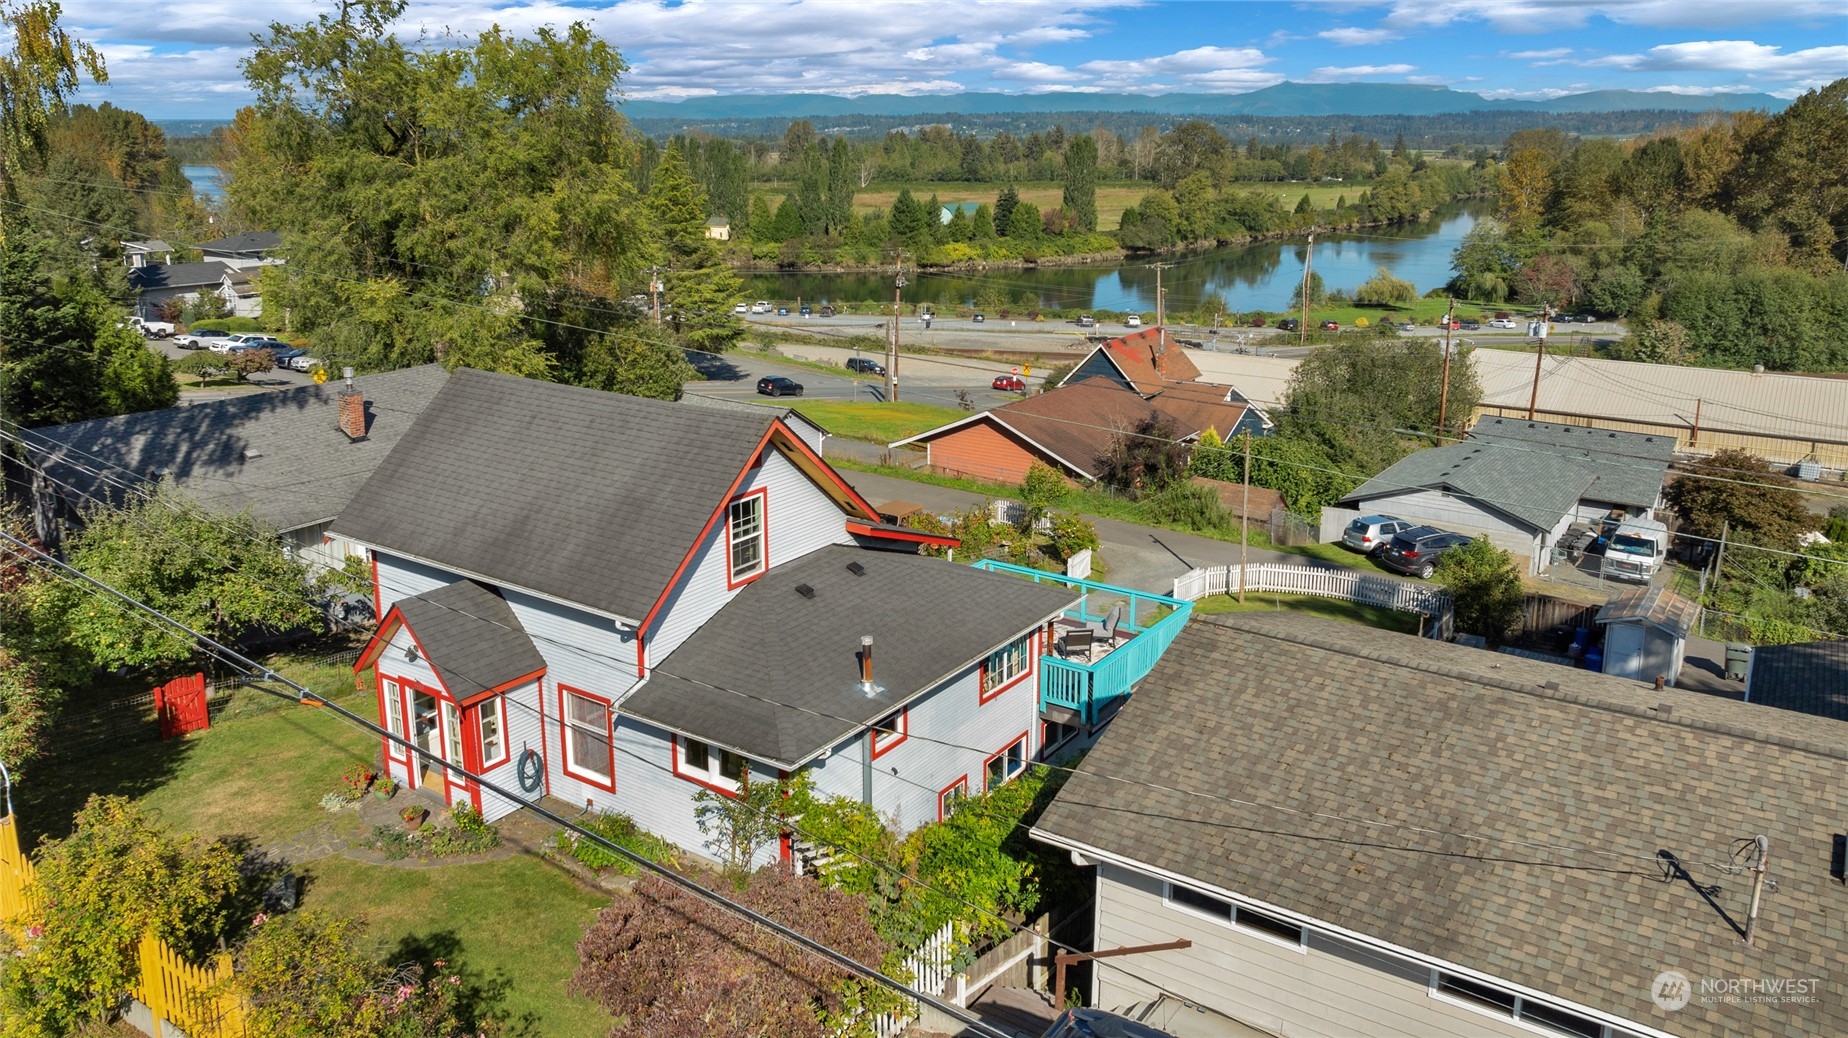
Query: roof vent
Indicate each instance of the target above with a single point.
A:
(805, 591)
(1551, 686)
(252, 455)
(856, 569)
(1664, 711)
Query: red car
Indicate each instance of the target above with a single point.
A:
(1010, 383)
(1454, 325)
(1331, 326)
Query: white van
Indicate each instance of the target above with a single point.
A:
(1636, 551)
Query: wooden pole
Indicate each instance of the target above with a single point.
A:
(1533, 398)
(1694, 437)
(898, 288)
(1062, 959)
(1443, 393)
(1308, 258)
(1244, 519)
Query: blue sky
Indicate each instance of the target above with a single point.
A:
(179, 59)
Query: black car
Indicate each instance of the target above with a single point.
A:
(1471, 326)
(865, 365)
(777, 385)
(1288, 324)
(1416, 551)
(978, 319)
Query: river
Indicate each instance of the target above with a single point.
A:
(208, 181)
(1248, 277)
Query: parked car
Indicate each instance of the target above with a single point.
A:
(286, 354)
(741, 308)
(805, 310)
(1133, 321)
(1010, 383)
(865, 364)
(1471, 326)
(259, 342)
(1502, 322)
(1372, 534)
(777, 385)
(827, 311)
(760, 307)
(1448, 323)
(1288, 324)
(239, 341)
(305, 362)
(1416, 551)
(198, 340)
(782, 311)
(978, 318)
(1087, 321)
(151, 329)
(1331, 326)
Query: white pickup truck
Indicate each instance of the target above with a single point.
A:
(151, 329)
(1635, 551)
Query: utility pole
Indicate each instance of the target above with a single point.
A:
(898, 288)
(1533, 398)
(1161, 309)
(1443, 393)
(1308, 258)
(1244, 519)
(654, 291)
(1719, 557)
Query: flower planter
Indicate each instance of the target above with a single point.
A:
(384, 792)
(414, 821)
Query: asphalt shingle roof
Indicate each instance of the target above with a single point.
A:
(928, 618)
(1349, 737)
(157, 276)
(252, 241)
(589, 497)
(474, 641)
(1533, 486)
(1628, 468)
(1810, 677)
(281, 455)
(1146, 362)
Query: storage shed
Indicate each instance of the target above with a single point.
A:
(1646, 633)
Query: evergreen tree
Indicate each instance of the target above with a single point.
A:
(958, 229)
(812, 191)
(1399, 150)
(700, 289)
(1080, 198)
(842, 183)
(907, 219)
(982, 224)
(762, 222)
(788, 223)
(1004, 209)
(1023, 224)
(933, 221)
(1304, 205)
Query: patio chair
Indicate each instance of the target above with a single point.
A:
(1076, 642)
(1106, 632)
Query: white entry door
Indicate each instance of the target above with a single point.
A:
(1623, 651)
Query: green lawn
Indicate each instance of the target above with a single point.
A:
(511, 926)
(878, 422)
(1314, 605)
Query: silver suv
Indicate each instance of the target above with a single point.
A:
(1373, 534)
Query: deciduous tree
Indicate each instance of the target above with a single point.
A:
(1485, 588)
(1737, 492)
(1080, 196)
(38, 75)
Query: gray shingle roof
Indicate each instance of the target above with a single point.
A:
(252, 241)
(928, 618)
(281, 455)
(1811, 677)
(1535, 487)
(1628, 468)
(1307, 716)
(474, 641)
(590, 497)
(177, 275)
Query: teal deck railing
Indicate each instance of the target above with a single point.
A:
(1092, 689)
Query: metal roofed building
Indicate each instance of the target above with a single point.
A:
(1366, 833)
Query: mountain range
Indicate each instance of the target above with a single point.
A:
(1284, 99)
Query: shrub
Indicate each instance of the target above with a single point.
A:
(1072, 533)
(227, 324)
(1185, 504)
(1485, 588)
(1038, 490)
(621, 830)
(1382, 289)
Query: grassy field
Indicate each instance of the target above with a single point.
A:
(1331, 608)
(878, 422)
(511, 926)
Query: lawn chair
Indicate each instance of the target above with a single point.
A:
(1075, 643)
(1106, 632)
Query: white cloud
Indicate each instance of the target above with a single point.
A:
(1430, 80)
(1701, 91)
(1535, 16)
(1358, 37)
(1213, 69)
(1756, 59)
(1505, 94)
(1037, 72)
(1540, 55)
(1332, 74)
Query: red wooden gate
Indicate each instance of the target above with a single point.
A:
(181, 706)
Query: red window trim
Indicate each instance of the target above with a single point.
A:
(377, 602)
(503, 688)
(732, 582)
(895, 738)
(506, 745)
(698, 780)
(1044, 745)
(564, 738)
(1021, 739)
(987, 695)
(962, 781)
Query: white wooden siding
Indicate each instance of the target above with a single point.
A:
(1449, 512)
(1332, 989)
(583, 650)
(402, 578)
(660, 801)
(932, 756)
(392, 662)
(799, 519)
(524, 731)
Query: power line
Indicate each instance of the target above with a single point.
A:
(308, 697)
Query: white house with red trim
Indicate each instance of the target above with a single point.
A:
(619, 602)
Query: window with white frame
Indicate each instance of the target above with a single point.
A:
(1226, 912)
(1006, 664)
(493, 732)
(952, 798)
(1053, 735)
(1006, 764)
(1487, 998)
(394, 710)
(712, 765)
(589, 753)
(745, 532)
(452, 735)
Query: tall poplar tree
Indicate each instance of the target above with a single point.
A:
(1080, 198)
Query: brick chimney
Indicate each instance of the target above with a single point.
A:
(353, 414)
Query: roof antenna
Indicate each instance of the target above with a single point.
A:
(1761, 848)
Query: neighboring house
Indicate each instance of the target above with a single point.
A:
(718, 228)
(239, 291)
(1144, 363)
(1073, 428)
(139, 254)
(1809, 677)
(289, 457)
(621, 602)
(1646, 633)
(1522, 484)
(244, 251)
(1366, 833)
(155, 284)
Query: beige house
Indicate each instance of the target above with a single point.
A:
(718, 228)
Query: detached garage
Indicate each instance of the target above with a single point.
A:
(1646, 633)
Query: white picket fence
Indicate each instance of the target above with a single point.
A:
(930, 971)
(1365, 588)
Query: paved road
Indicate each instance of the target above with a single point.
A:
(281, 378)
(929, 380)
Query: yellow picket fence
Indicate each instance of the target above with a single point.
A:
(183, 997)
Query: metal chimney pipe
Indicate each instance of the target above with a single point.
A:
(866, 663)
